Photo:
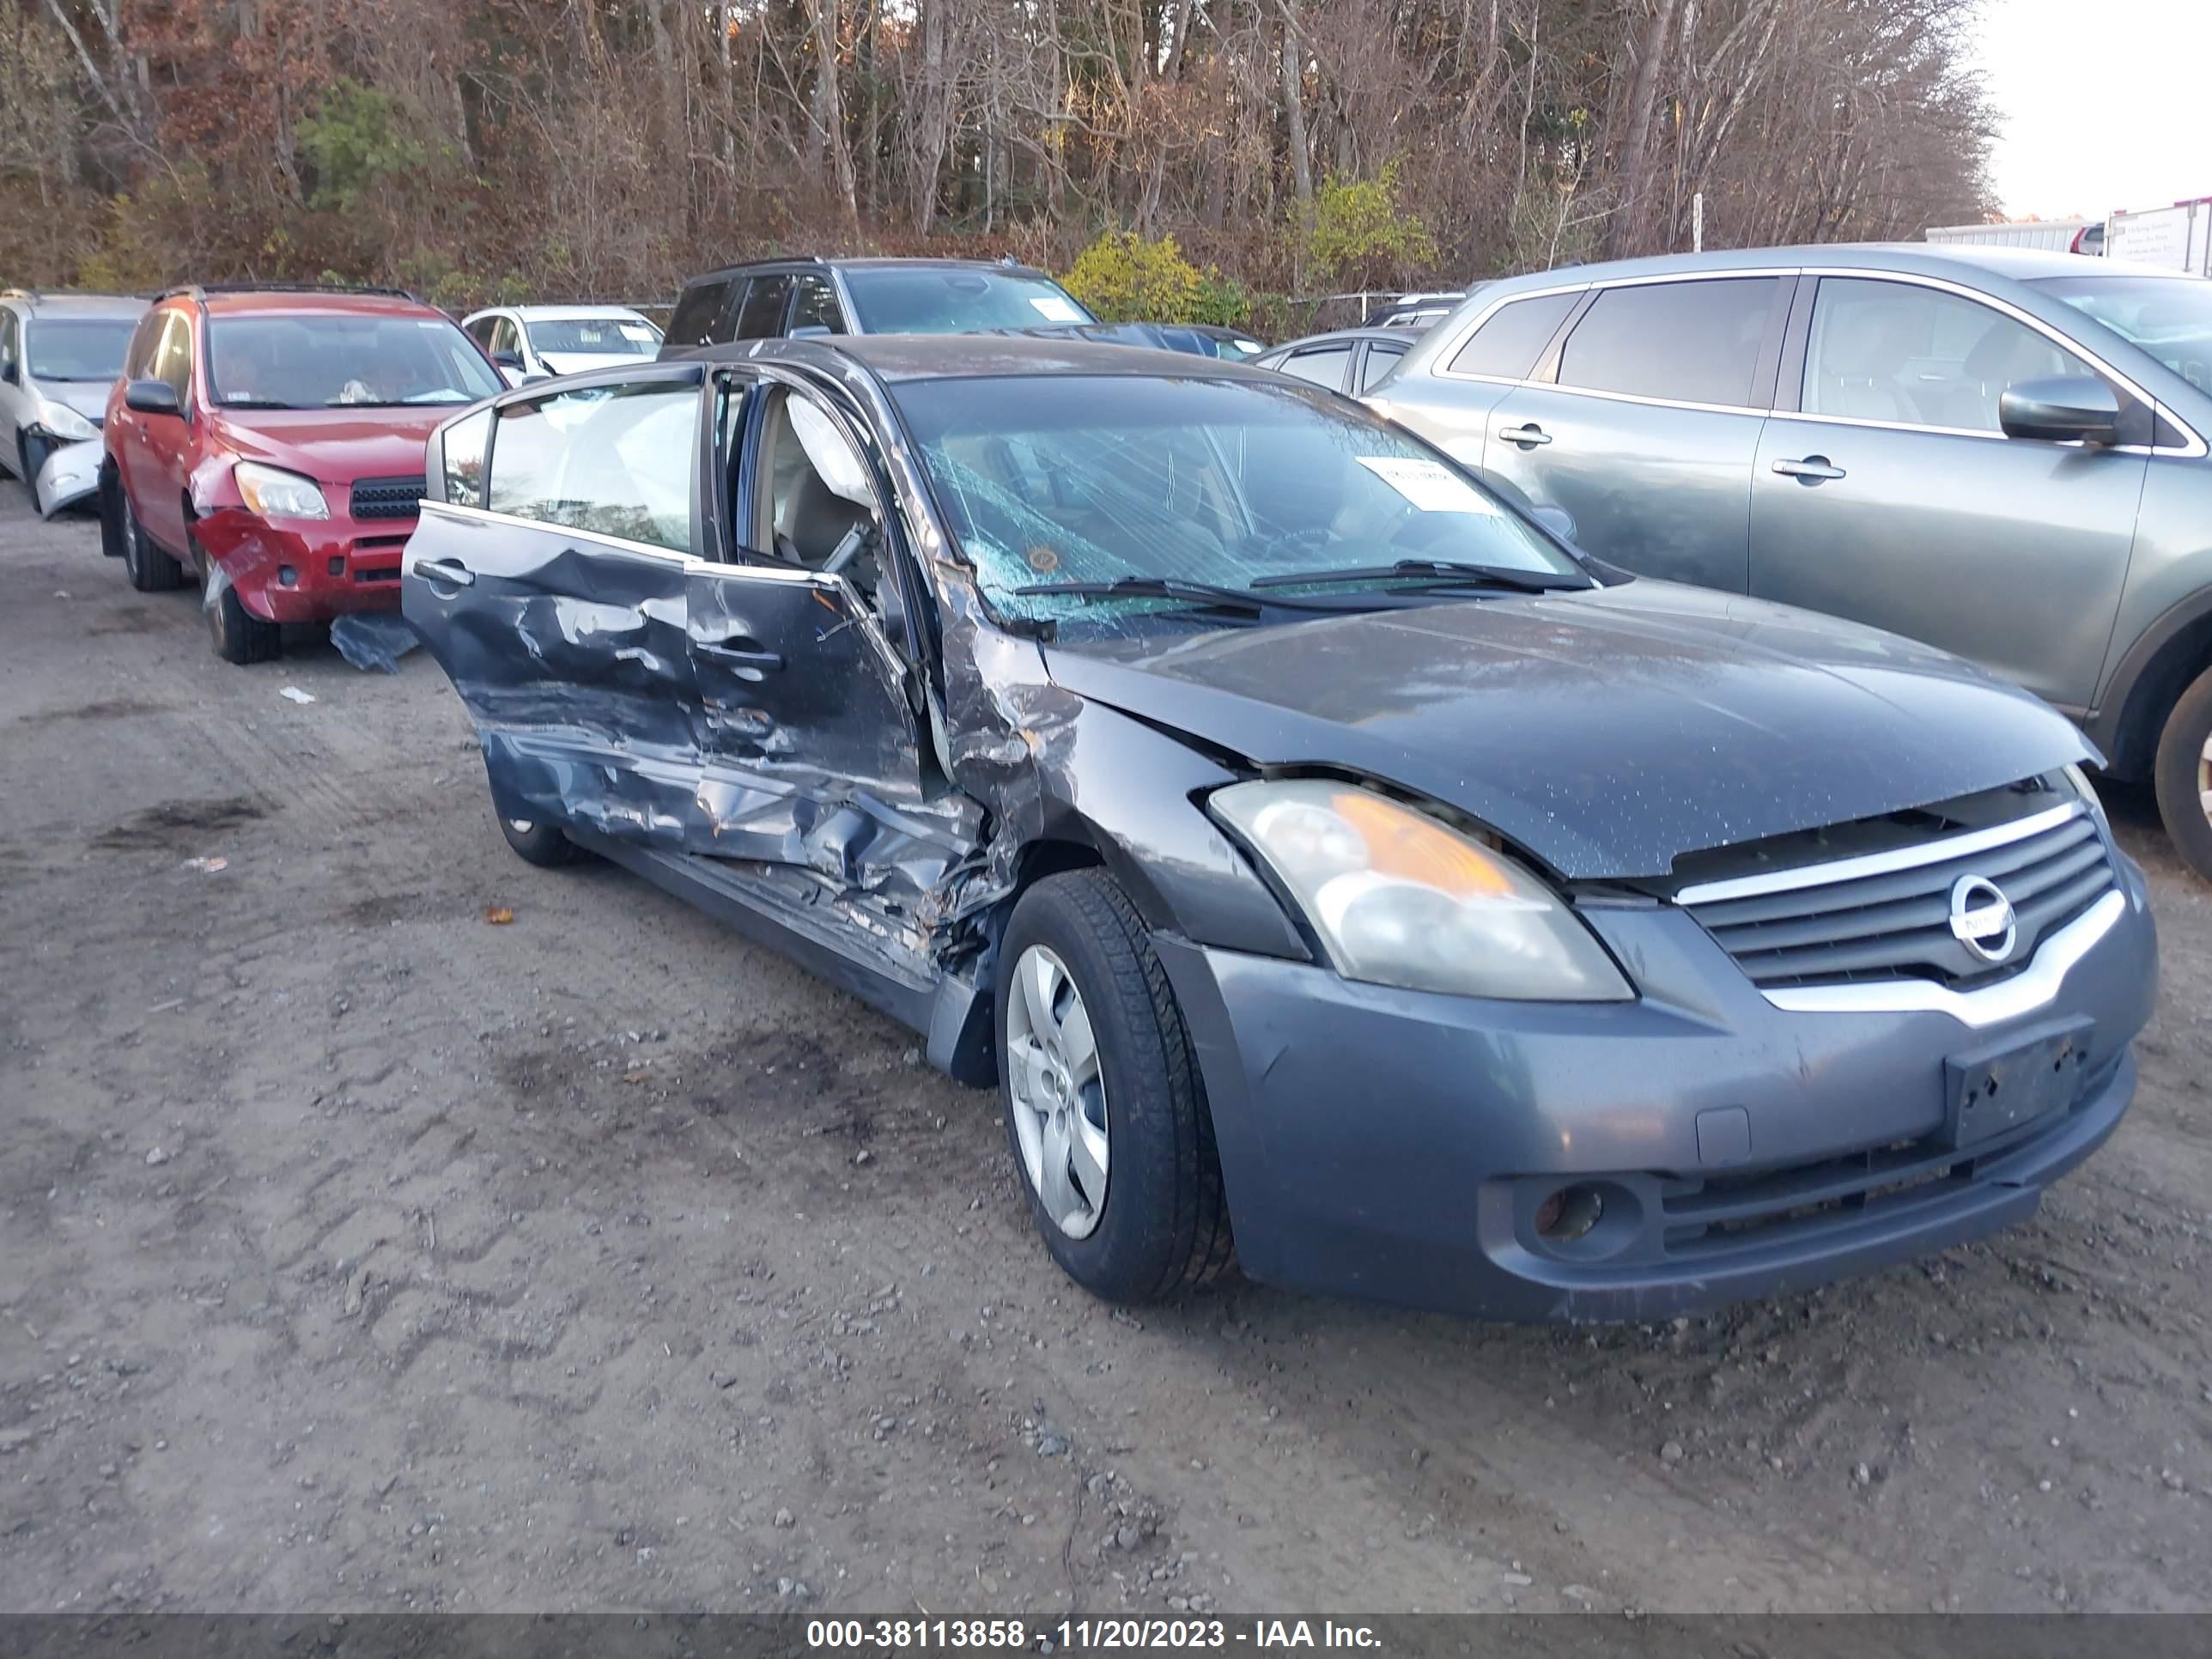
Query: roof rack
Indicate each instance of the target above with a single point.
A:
(201, 290)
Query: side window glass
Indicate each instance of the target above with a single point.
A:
(1690, 342)
(7, 340)
(175, 363)
(465, 441)
(1323, 367)
(1381, 360)
(760, 317)
(817, 305)
(815, 495)
(1513, 336)
(616, 460)
(1919, 356)
(480, 330)
(139, 361)
(504, 337)
(698, 309)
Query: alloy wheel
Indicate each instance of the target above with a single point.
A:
(2204, 778)
(1058, 1092)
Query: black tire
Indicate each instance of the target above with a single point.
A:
(2182, 775)
(150, 569)
(239, 637)
(541, 844)
(1164, 1227)
(111, 511)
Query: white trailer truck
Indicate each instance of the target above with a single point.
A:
(2177, 237)
(2059, 235)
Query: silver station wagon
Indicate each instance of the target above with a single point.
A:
(2001, 452)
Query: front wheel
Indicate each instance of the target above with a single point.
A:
(2182, 775)
(239, 637)
(1105, 1111)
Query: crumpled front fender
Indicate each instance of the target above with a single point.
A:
(70, 474)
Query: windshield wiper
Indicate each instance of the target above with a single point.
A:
(1175, 587)
(1463, 572)
(228, 402)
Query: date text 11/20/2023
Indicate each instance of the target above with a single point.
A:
(899, 1635)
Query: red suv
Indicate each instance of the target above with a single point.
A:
(271, 440)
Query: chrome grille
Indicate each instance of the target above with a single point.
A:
(1888, 916)
(388, 498)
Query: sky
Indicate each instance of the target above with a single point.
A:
(2104, 105)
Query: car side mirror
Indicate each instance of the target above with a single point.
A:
(2062, 408)
(8, 374)
(810, 332)
(1556, 519)
(152, 397)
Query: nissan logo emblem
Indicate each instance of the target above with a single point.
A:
(1982, 917)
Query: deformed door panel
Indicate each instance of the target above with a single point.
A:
(572, 654)
(808, 752)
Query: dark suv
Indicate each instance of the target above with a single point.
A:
(772, 299)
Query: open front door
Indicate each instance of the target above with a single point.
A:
(551, 584)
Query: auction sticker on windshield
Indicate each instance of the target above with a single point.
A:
(1053, 309)
(1430, 485)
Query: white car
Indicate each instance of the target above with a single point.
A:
(59, 354)
(529, 343)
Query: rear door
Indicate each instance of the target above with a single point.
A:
(165, 442)
(1644, 423)
(550, 578)
(1886, 491)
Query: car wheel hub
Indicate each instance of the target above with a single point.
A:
(2204, 779)
(1058, 1092)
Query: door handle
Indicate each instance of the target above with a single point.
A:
(445, 570)
(744, 656)
(1812, 469)
(1527, 436)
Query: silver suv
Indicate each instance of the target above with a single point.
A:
(2001, 451)
(59, 353)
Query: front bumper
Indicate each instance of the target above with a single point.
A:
(1393, 1144)
(303, 570)
(69, 475)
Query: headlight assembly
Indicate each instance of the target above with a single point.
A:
(278, 494)
(64, 422)
(1401, 899)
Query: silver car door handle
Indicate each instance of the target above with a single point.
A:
(1530, 434)
(1814, 467)
(445, 570)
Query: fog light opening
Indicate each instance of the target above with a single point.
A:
(286, 577)
(337, 567)
(1569, 1214)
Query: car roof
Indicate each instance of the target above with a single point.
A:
(558, 313)
(865, 262)
(895, 358)
(2021, 264)
(263, 301)
(79, 304)
(1345, 337)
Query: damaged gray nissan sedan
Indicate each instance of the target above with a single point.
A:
(1310, 847)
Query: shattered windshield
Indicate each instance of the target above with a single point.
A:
(1104, 478)
(79, 348)
(329, 360)
(956, 300)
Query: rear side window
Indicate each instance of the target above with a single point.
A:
(173, 362)
(1514, 335)
(1381, 360)
(139, 361)
(1690, 342)
(616, 460)
(698, 309)
(463, 459)
(817, 306)
(760, 317)
(1323, 367)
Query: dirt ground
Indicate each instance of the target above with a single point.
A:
(357, 1253)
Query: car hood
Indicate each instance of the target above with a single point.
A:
(336, 446)
(87, 398)
(1608, 732)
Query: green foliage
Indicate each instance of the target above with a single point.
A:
(358, 141)
(1361, 236)
(1221, 300)
(1124, 278)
